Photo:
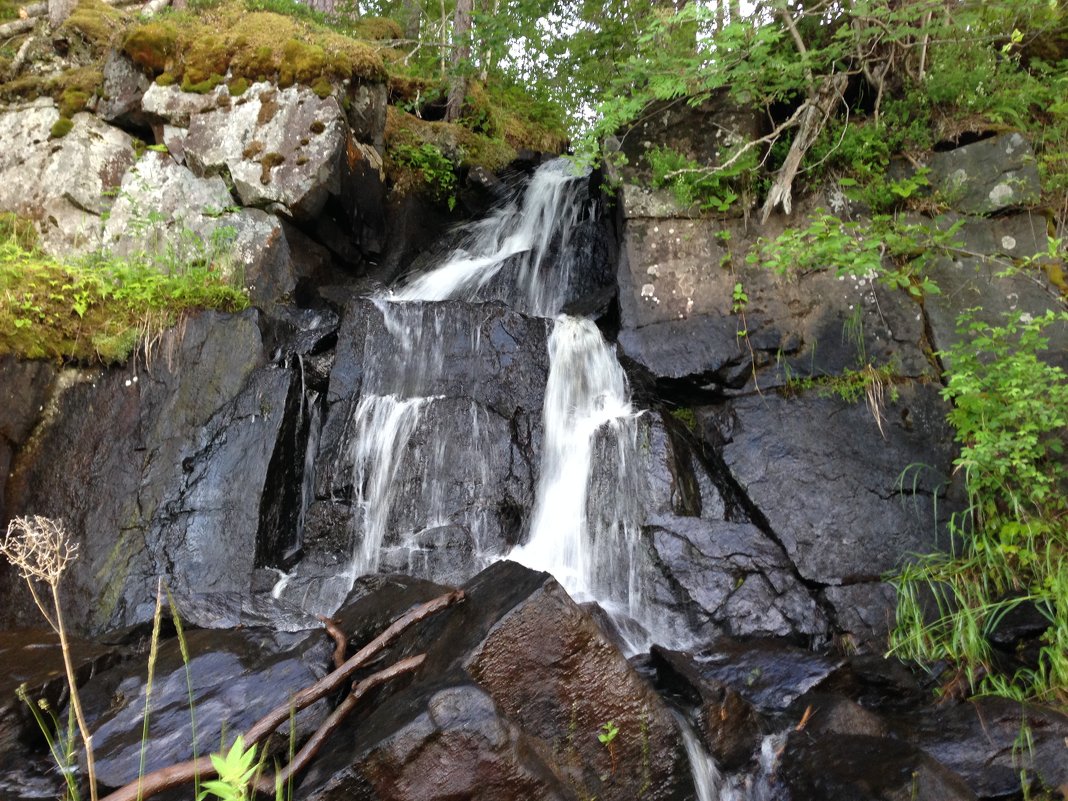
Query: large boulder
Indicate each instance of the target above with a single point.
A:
(516, 687)
(281, 146)
(63, 184)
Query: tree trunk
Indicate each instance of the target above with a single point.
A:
(412, 21)
(461, 53)
(59, 10)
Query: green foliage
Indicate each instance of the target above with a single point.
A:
(437, 171)
(235, 769)
(62, 127)
(608, 733)
(695, 185)
(886, 249)
(1010, 412)
(61, 740)
(95, 309)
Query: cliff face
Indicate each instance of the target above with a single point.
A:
(790, 443)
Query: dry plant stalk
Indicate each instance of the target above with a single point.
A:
(40, 549)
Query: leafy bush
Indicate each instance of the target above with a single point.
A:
(886, 248)
(437, 171)
(1010, 414)
(694, 184)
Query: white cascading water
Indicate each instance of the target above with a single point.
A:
(586, 520)
(579, 536)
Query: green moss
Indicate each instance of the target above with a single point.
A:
(250, 45)
(62, 127)
(165, 79)
(323, 88)
(238, 87)
(267, 163)
(685, 416)
(95, 22)
(377, 28)
(72, 101)
(18, 229)
(252, 149)
(152, 45)
(201, 87)
(94, 312)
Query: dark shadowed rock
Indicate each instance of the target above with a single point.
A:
(837, 767)
(160, 472)
(234, 678)
(846, 503)
(726, 723)
(981, 741)
(987, 176)
(768, 674)
(25, 387)
(124, 87)
(863, 613)
(732, 576)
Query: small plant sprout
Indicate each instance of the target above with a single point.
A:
(40, 549)
(236, 769)
(607, 736)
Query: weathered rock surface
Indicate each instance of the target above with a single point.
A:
(986, 282)
(989, 175)
(815, 467)
(61, 184)
(679, 321)
(279, 146)
(124, 88)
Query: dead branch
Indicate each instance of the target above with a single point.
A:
(176, 775)
(266, 784)
(817, 109)
(341, 641)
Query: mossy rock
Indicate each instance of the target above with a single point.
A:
(72, 90)
(151, 45)
(376, 28)
(230, 41)
(95, 22)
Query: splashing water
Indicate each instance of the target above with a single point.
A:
(586, 539)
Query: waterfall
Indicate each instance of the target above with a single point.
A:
(585, 524)
(586, 540)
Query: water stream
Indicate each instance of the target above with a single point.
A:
(585, 524)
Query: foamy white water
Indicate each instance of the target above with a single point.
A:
(518, 237)
(571, 536)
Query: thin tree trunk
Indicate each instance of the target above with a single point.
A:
(413, 21)
(59, 10)
(461, 52)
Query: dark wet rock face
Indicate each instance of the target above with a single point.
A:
(988, 176)
(229, 681)
(815, 467)
(863, 768)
